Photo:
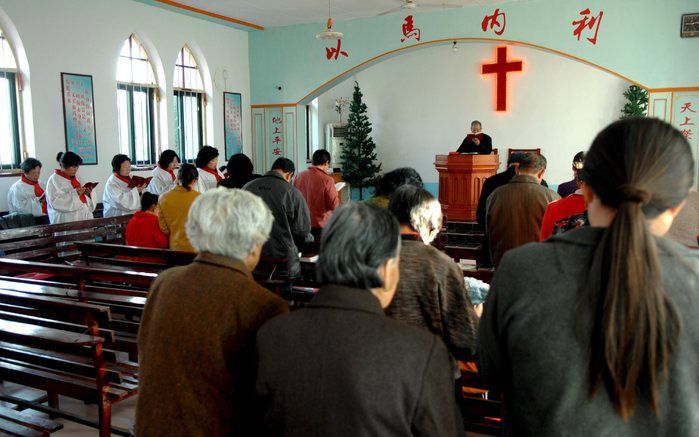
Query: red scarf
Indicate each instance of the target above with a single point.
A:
(38, 192)
(127, 181)
(172, 173)
(213, 172)
(74, 182)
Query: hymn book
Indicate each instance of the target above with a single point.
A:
(137, 181)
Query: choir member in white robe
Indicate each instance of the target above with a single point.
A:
(207, 163)
(120, 198)
(66, 198)
(164, 178)
(26, 196)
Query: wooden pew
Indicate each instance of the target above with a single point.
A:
(57, 242)
(81, 276)
(26, 424)
(101, 254)
(60, 346)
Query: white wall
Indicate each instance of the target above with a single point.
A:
(421, 104)
(85, 36)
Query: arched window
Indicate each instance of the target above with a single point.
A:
(136, 95)
(10, 152)
(189, 105)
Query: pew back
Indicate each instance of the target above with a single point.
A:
(57, 242)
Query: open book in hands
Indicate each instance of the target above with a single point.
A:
(137, 181)
(340, 185)
(90, 185)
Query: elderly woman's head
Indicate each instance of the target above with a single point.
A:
(359, 248)
(231, 223)
(417, 208)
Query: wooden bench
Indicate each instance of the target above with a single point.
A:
(26, 424)
(61, 347)
(140, 258)
(126, 310)
(80, 276)
(57, 242)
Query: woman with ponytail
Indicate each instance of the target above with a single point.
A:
(595, 332)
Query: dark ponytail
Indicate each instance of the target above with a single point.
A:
(640, 167)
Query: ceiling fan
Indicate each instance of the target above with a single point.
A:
(412, 4)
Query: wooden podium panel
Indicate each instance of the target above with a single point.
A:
(461, 180)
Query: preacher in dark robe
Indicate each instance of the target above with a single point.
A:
(476, 141)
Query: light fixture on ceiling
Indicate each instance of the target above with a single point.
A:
(412, 4)
(454, 47)
(329, 33)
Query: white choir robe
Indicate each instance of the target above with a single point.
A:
(118, 199)
(206, 181)
(21, 199)
(161, 183)
(64, 204)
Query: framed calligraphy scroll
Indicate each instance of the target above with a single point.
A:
(233, 123)
(79, 116)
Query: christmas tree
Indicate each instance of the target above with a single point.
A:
(359, 167)
(637, 102)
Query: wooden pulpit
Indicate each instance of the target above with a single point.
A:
(461, 180)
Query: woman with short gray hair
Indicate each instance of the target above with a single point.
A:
(233, 223)
(431, 292)
(196, 340)
(372, 375)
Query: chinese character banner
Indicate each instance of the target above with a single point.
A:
(233, 123)
(274, 144)
(79, 116)
(685, 117)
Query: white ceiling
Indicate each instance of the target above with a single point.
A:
(273, 13)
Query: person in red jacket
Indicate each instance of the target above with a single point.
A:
(143, 229)
(573, 205)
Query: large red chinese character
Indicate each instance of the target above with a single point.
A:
(276, 130)
(493, 21)
(687, 133)
(687, 122)
(500, 68)
(409, 31)
(335, 52)
(587, 22)
(277, 151)
(276, 120)
(687, 106)
(276, 140)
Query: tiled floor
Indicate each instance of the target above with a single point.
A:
(123, 413)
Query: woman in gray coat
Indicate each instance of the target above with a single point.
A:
(595, 332)
(340, 367)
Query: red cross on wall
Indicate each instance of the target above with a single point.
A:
(500, 68)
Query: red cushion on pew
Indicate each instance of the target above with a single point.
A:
(37, 276)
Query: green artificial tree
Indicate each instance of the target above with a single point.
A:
(637, 102)
(359, 167)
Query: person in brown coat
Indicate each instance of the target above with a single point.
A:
(431, 293)
(196, 341)
(514, 212)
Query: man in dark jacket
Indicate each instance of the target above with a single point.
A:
(292, 219)
(340, 367)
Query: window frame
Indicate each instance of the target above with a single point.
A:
(131, 88)
(180, 128)
(16, 148)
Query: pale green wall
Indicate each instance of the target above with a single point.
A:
(637, 38)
